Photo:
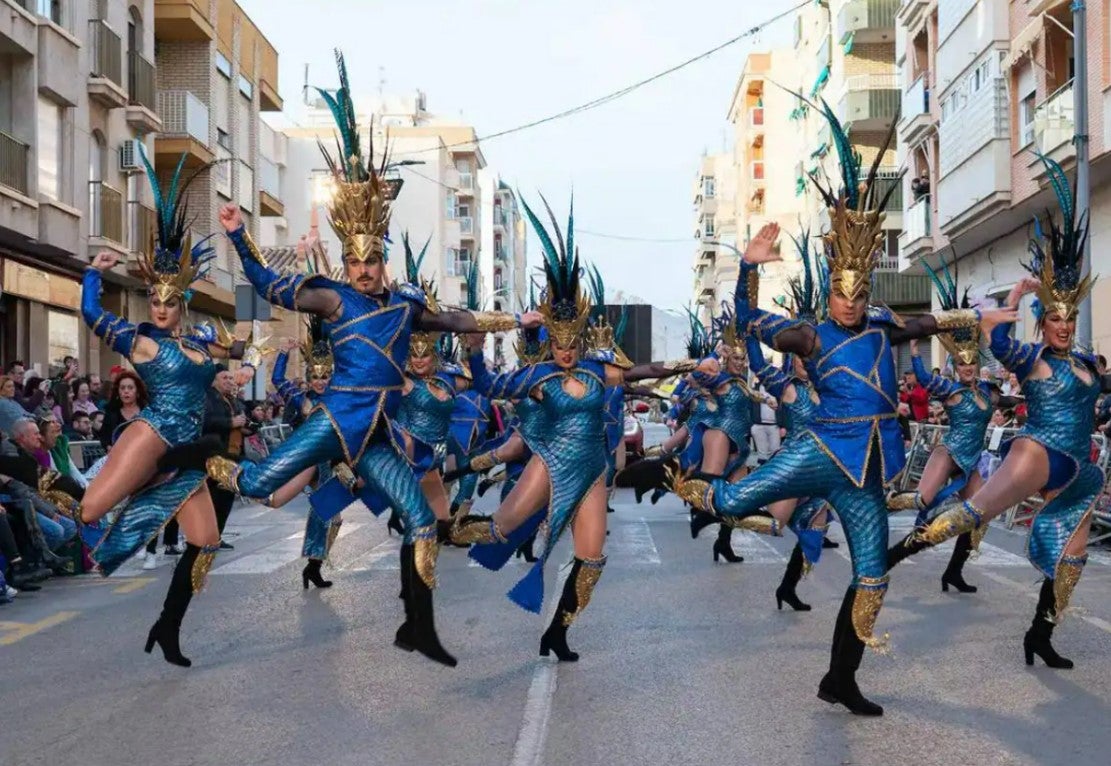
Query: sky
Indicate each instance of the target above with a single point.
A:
(501, 63)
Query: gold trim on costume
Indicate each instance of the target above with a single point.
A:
(224, 472)
(590, 570)
(955, 521)
(957, 319)
(1069, 569)
(485, 461)
(977, 535)
(752, 287)
(199, 573)
(761, 525)
(867, 601)
(904, 501)
(425, 550)
(495, 321)
(330, 540)
(477, 530)
(699, 493)
(168, 286)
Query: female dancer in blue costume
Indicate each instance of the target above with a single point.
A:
(370, 326)
(1050, 455)
(568, 466)
(853, 444)
(319, 534)
(969, 402)
(176, 364)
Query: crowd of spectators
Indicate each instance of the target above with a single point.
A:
(56, 432)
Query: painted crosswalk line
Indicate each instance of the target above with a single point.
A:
(274, 556)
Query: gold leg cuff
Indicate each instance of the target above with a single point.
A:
(333, 533)
(1069, 569)
(977, 535)
(585, 579)
(485, 461)
(958, 519)
(477, 530)
(198, 575)
(867, 602)
(904, 501)
(425, 551)
(761, 525)
(224, 472)
(699, 493)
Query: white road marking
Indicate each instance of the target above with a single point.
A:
(756, 549)
(1031, 590)
(633, 543)
(382, 556)
(273, 556)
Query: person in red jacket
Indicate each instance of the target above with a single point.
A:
(916, 396)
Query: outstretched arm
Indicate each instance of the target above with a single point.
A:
(653, 370)
(937, 386)
(474, 321)
(117, 333)
(510, 386)
(773, 379)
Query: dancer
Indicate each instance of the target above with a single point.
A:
(370, 328)
(1050, 455)
(853, 444)
(568, 466)
(176, 364)
(969, 403)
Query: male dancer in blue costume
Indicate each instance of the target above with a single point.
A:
(369, 326)
(853, 444)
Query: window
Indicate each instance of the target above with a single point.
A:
(757, 170)
(49, 151)
(243, 130)
(450, 204)
(62, 333)
(223, 66)
(1026, 119)
(246, 88)
(708, 186)
(708, 226)
(463, 211)
(51, 9)
(223, 138)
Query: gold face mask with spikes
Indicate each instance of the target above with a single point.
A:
(853, 244)
(963, 351)
(1054, 300)
(168, 286)
(422, 345)
(359, 212)
(566, 333)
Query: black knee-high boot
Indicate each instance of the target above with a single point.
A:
(791, 577)
(723, 546)
(576, 595)
(838, 686)
(904, 549)
(643, 476)
(1036, 640)
(418, 632)
(954, 574)
(188, 576)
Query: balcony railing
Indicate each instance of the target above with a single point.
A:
(500, 216)
(885, 179)
(269, 180)
(140, 81)
(466, 180)
(245, 187)
(183, 114)
(105, 212)
(916, 99)
(916, 220)
(13, 163)
(140, 226)
(458, 267)
(221, 172)
(466, 224)
(107, 52)
(1053, 119)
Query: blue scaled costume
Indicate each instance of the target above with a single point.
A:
(370, 335)
(853, 444)
(470, 423)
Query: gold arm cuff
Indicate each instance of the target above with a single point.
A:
(425, 551)
(956, 319)
(476, 530)
(343, 472)
(485, 461)
(590, 571)
(682, 366)
(495, 321)
(867, 601)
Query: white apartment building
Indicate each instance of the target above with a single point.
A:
(502, 263)
(715, 265)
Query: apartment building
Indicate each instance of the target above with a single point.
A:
(988, 82)
(437, 164)
(715, 265)
(501, 260)
(105, 76)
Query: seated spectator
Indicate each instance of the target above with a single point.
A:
(80, 427)
(96, 392)
(82, 400)
(10, 409)
(20, 464)
(54, 455)
(97, 423)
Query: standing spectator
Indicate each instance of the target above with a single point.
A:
(96, 391)
(985, 374)
(765, 429)
(224, 416)
(82, 397)
(128, 398)
(916, 397)
(1011, 386)
(10, 410)
(97, 421)
(16, 370)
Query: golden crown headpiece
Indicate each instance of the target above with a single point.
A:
(963, 343)
(359, 209)
(316, 351)
(564, 305)
(725, 327)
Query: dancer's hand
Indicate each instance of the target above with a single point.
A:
(288, 344)
(530, 320)
(1025, 286)
(914, 346)
(761, 249)
(105, 260)
(230, 217)
(993, 317)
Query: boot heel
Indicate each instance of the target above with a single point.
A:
(716, 555)
(151, 638)
(944, 585)
(779, 606)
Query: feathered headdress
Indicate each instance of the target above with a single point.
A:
(532, 345)
(810, 288)
(699, 341)
(963, 344)
(854, 241)
(725, 327)
(1062, 289)
(421, 344)
(317, 350)
(600, 335)
(359, 210)
(172, 263)
(470, 282)
(621, 326)
(564, 305)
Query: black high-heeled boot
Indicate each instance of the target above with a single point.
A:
(904, 549)
(838, 686)
(394, 524)
(525, 550)
(581, 581)
(166, 630)
(827, 543)
(1036, 641)
(700, 520)
(418, 632)
(723, 546)
(791, 577)
(643, 476)
(311, 573)
(954, 574)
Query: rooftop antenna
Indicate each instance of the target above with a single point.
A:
(305, 87)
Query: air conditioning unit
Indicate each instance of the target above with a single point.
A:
(130, 159)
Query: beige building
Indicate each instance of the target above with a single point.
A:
(715, 265)
(984, 83)
(71, 178)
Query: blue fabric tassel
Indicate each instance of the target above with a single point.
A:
(330, 498)
(528, 593)
(496, 555)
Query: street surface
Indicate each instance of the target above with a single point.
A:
(683, 661)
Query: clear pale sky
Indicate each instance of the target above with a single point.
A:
(502, 63)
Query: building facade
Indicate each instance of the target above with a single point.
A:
(502, 259)
(715, 265)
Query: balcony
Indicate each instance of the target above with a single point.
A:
(13, 163)
(899, 291)
(914, 116)
(466, 227)
(141, 227)
(184, 129)
(142, 103)
(466, 184)
(917, 239)
(244, 186)
(1054, 126)
(887, 179)
(106, 61)
(17, 31)
(105, 213)
(458, 267)
(182, 20)
(867, 21)
(910, 12)
(869, 101)
(501, 220)
(501, 255)
(269, 189)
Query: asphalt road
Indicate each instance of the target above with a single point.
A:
(683, 662)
